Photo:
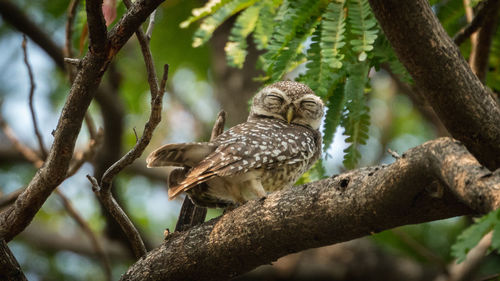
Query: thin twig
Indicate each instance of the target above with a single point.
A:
(479, 59)
(18, 216)
(26, 151)
(418, 247)
(473, 25)
(88, 231)
(393, 153)
(73, 61)
(465, 270)
(32, 92)
(89, 121)
(86, 155)
(135, 134)
(68, 50)
(108, 202)
(103, 191)
(151, 25)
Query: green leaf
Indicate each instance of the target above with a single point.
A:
(363, 27)
(210, 23)
(211, 7)
(472, 235)
(356, 120)
(332, 34)
(335, 105)
(265, 23)
(383, 53)
(236, 46)
(297, 21)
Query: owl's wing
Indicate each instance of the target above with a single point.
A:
(180, 154)
(215, 164)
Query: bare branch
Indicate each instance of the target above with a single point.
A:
(13, 15)
(68, 50)
(103, 191)
(474, 24)
(18, 216)
(443, 76)
(86, 155)
(88, 231)
(9, 267)
(26, 151)
(465, 271)
(479, 58)
(341, 208)
(32, 92)
(108, 202)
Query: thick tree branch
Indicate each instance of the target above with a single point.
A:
(18, 216)
(458, 97)
(329, 211)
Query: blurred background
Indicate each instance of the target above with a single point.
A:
(55, 247)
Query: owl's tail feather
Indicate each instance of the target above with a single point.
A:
(180, 154)
(187, 184)
(204, 171)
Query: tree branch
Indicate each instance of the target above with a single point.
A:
(479, 59)
(9, 267)
(15, 16)
(443, 76)
(474, 24)
(31, 94)
(341, 208)
(97, 26)
(18, 216)
(96, 244)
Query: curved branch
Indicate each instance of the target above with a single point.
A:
(458, 97)
(18, 216)
(341, 208)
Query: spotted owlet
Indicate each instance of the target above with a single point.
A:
(278, 143)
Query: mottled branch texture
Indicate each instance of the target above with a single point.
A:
(340, 208)
(443, 76)
(93, 65)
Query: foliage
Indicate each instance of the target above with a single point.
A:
(471, 236)
(342, 37)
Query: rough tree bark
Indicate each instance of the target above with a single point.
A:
(341, 208)
(443, 76)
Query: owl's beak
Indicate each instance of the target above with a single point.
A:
(289, 114)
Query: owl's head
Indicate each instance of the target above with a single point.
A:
(289, 101)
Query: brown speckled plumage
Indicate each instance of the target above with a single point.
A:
(278, 143)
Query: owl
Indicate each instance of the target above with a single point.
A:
(278, 143)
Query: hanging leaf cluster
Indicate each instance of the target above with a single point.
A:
(334, 39)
